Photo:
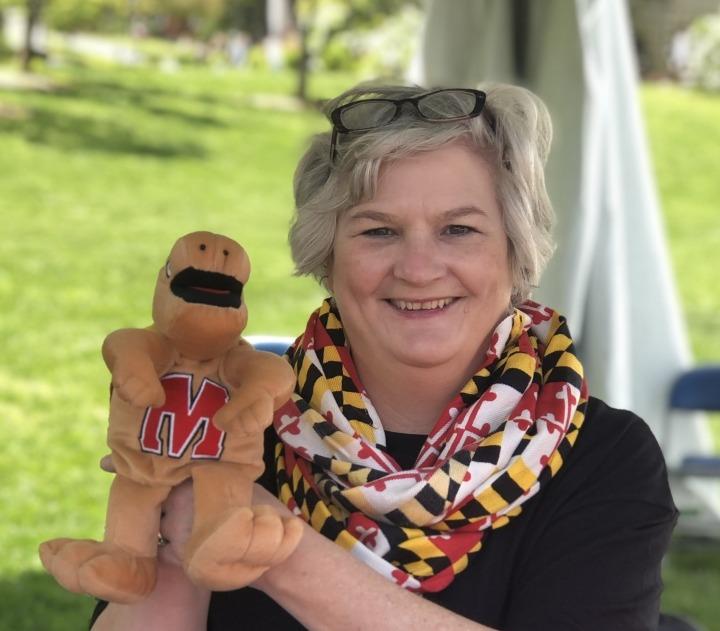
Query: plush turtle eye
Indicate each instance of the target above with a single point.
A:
(202, 246)
(168, 271)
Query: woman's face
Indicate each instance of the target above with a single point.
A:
(420, 273)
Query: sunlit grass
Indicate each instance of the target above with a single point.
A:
(99, 177)
(684, 132)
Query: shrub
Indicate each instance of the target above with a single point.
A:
(697, 53)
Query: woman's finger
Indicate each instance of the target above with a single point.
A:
(176, 522)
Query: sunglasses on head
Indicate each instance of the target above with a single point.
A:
(438, 106)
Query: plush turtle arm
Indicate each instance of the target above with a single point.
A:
(136, 358)
(244, 367)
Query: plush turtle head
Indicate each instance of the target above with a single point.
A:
(198, 299)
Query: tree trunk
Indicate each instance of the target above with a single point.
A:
(34, 8)
(304, 17)
(301, 92)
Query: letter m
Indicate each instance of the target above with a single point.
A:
(187, 419)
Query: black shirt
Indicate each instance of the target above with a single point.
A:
(584, 554)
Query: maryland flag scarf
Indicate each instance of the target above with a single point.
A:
(496, 444)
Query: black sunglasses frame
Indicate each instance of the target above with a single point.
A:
(340, 128)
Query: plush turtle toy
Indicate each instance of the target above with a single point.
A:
(190, 399)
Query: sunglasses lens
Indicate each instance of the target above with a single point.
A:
(367, 114)
(441, 105)
(447, 104)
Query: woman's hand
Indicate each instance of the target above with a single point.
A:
(262, 496)
(175, 521)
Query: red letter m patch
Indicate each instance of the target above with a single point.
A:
(187, 419)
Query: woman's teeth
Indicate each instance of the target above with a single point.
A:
(406, 305)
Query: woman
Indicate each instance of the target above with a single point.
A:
(441, 431)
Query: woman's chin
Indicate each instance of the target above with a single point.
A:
(425, 357)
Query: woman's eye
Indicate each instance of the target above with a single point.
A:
(378, 232)
(459, 230)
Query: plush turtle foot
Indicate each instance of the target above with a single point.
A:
(240, 546)
(118, 576)
(63, 557)
(101, 569)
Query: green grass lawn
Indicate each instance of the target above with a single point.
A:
(101, 174)
(684, 132)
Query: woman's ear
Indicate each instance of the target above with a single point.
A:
(327, 279)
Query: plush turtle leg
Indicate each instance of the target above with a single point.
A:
(233, 542)
(63, 557)
(122, 568)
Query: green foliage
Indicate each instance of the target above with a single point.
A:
(359, 14)
(245, 15)
(74, 15)
(372, 37)
(702, 67)
(385, 50)
(165, 17)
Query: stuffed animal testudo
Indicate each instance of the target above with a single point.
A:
(190, 399)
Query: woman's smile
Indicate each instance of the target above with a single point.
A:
(424, 308)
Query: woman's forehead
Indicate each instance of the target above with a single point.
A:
(448, 172)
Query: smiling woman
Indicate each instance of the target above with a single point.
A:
(441, 439)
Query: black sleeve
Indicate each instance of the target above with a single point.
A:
(99, 608)
(268, 480)
(595, 563)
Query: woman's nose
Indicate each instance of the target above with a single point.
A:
(419, 261)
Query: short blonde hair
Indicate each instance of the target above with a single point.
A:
(512, 134)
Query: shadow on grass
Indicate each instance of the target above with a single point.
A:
(692, 575)
(119, 94)
(93, 83)
(73, 132)
(45, 119)
(33, 601)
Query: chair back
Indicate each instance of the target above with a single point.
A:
(697, 389)
(277, 344)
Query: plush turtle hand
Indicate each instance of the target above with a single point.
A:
(138, 384)
(249, 411)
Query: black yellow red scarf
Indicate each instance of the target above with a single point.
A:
(496, 444)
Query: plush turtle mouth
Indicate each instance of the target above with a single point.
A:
(207, 288)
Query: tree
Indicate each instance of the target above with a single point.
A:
(28, 52)
(246, 15)
(320, 21)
